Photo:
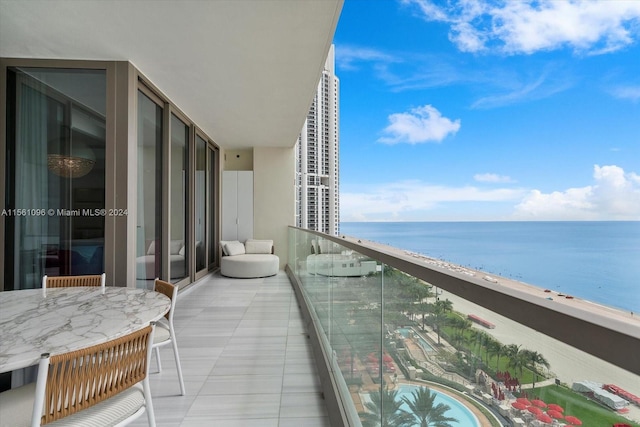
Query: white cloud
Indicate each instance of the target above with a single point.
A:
(348, 57)
(543, 87)
(631, 93)
(492, 177)
(422, 124)
(615, 195)
(594, 27)
(415, 200)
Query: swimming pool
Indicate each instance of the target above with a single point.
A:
(421, 341)
(460, 412)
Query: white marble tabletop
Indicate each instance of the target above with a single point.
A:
(68, 319)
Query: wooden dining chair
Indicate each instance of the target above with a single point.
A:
(103, 385)
(73, 281)
(165, 331)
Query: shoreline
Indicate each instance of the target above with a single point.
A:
(569, 363)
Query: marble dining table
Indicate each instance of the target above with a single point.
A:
(33, 322)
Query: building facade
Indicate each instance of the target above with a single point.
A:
(318, 158)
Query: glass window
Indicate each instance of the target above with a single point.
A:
(149, 220)
(55, 174)
(178, 196)
(201, 202)
(213, 245)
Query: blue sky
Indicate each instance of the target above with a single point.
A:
(489, 110)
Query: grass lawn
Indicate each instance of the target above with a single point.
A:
(590, 413)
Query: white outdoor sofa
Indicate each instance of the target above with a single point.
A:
(251, 259)
(331, 259)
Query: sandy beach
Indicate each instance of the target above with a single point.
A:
(566, 363)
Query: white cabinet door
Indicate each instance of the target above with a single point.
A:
(245, 205)
(229, 205)
(237, 205)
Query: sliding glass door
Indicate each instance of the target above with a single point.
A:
(178, 182)
(149, 195)
(55, 174)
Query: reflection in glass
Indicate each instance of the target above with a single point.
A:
(213, 252)
(178, 196)
(201, 201)
(149, 221)
(56, 126)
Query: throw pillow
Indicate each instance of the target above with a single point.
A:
(253, 246)
(223, 244)
(234, 248)
(175, 246)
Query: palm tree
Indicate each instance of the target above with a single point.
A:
(384, 411)
(519, 360)
(511, 351)
(460, 325)
(500, 350)
(440, 309)
(423, 409)
(536, 359)
(494, 347)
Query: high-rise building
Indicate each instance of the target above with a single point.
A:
(317, 158)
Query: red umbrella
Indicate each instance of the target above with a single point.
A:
(573, 420)
(539, 403)
(534, 410)
(555, 407)
(555, 414)
(523, 400)
(520, 406)
(544, 418)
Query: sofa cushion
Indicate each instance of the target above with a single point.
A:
(234, 248)
(253, 246)
(250, 265)
(175, 246)
(152, 248)
(223, 243)
(329, 247)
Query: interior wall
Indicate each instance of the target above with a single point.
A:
(274, 196)
(238, 160)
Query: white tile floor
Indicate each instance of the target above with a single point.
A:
(246, 359)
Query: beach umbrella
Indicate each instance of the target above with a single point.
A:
(544, 418)
(520, 406)
(555, 407)
(523, 400)
(573, 420)
(539, 403)
(555, 414)
(534, 410)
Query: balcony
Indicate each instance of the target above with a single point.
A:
(245, 356)
(253, 356)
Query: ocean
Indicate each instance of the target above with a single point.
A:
(597, 261)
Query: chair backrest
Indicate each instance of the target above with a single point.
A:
(71, 382)
(171, 291)
(73, 281)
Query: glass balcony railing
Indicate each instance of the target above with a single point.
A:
(401, 340)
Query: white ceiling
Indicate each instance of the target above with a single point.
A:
(245, 71)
